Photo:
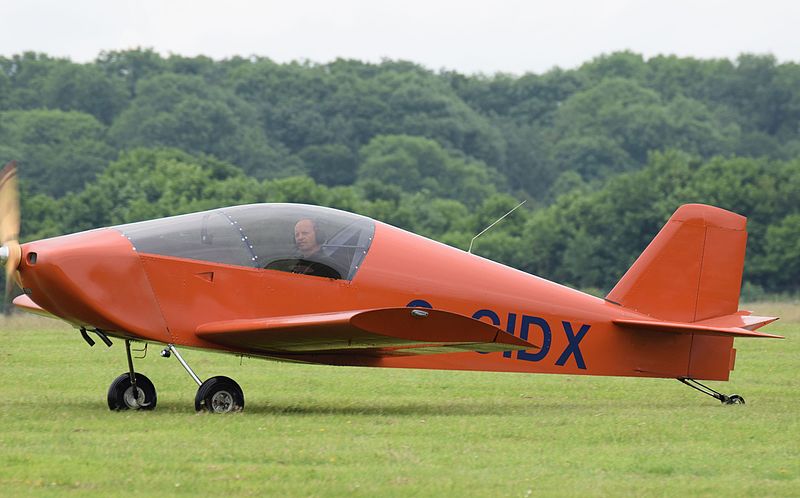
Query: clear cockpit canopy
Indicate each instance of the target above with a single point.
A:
(260, 236)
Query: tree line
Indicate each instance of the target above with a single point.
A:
(604, 152)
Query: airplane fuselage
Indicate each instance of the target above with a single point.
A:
(98, 280)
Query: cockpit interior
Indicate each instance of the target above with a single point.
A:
(260, 236)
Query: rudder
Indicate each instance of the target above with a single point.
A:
(691, 271)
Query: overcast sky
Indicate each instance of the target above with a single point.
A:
(511, 36)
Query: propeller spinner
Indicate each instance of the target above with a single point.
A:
(10, 252)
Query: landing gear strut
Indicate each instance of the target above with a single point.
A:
(131, 390)
(134, 391)
(215, 395)
(733, 399)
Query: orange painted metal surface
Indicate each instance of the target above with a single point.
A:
(381, 332)
(95, 279)
(692, 270)
(690, 273)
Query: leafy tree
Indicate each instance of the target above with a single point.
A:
(786, 102)
(5, 90)
(58, 151)
(198, 66)
(421, 106)
(764, 191)
(287, 99)
(631, 115)
(626, 65)
(589, 239)
(301, 189)
(130, 66)
(84, 88)
(591, 156)
(780, 260)
(694, 128)
(330, 164)
(751, 92)
(435, 217)
(182, 111)
(349, 103)
(27, 74)
(673, 76)
(40, 216)
(144, 184)
(419, 164)
(613, 126)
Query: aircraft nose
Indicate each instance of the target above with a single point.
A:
(94, 279)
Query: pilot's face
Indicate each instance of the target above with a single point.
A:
(304, 237)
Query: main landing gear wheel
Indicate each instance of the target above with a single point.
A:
(219, 395)
(121, 397)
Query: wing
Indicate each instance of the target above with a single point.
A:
(377, 332)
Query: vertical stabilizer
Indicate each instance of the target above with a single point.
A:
(691, 271)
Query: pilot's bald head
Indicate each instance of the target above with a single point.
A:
(305, 237)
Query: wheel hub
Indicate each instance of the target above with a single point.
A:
(222, 402)
(136, 402)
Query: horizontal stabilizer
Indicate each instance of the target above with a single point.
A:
(741, 319)
(25, 303)
(380, 332)
(715, 326)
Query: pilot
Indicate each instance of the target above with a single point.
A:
(308, 239)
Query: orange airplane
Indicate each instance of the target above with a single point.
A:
(310, 284)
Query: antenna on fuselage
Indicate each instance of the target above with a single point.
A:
(493, 224)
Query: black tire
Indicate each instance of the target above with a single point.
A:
(219, 395)
(734, 399)
(120, 394)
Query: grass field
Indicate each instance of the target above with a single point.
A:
(336, 431)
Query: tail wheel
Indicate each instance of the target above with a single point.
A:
(121, 393)
(734, 399)
(219, 395)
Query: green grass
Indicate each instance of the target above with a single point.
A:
(336, 431)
